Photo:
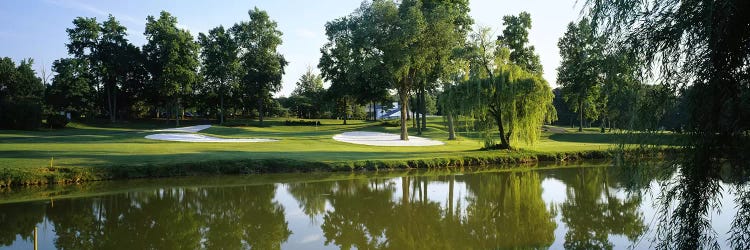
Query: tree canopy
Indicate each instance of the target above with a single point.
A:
(172, 59)
(579, 75)
(220, 68)
(262, 66)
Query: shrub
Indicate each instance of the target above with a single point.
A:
(391, 123)
(302, 123)
(57, 121)
(21, 115)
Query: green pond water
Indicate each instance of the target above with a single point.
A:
(575, 207)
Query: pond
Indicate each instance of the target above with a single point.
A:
(573, 207)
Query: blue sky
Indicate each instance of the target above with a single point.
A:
(36, 28)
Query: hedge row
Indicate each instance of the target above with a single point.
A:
(49, 175)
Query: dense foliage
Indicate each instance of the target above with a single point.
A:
(21, 94)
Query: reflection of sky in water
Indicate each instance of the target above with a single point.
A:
(308, 234)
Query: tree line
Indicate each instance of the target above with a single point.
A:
(424, 54)
(106, 75)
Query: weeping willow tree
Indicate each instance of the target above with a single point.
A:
(501, 95)
(517, 101)
(701, 48)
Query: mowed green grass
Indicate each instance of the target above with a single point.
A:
(87, 145)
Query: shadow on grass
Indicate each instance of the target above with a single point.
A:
(665, 139)
(107, 159)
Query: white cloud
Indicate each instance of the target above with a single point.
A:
(94, 10)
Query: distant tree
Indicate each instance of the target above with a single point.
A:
(71, 88)
(20, 95)
(579, 73)
(172, 58)
(516, 38)
(262, 66)
(7, 77)
(621, 90)
(337, 64)
(133, 93)
(307, 96)
(220, 63)
(309, 83)
(110, 58)
(20, 82)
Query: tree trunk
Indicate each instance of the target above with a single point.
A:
(450, 197)
(580, 116)
(602, 125)
(109, 103)
(177, 113)
(451, 129)
(260, 109)
(221, 107)
(404, 113)
(114, 107)
(424, 110)
(405, 190)
(504, 144)
(346, 109)
(417, 115)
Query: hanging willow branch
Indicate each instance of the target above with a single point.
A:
(520, 100)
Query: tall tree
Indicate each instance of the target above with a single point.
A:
(579, 72)
(404, 54)
(71, 87)
(262, 65)
(502, 94)
(110, 55)
(516, 37)
(103, 48)
(337, 63)
(172, 59)
(448, 22)
(220, 63)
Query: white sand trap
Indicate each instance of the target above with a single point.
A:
(191, 129)
(187, 136)
(383, 139)
(201, 138)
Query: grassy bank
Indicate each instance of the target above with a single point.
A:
(87, 152)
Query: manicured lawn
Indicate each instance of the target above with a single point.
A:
(123, 144)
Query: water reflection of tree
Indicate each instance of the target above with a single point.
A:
(311, 196)
(506, 210)
(237, 217)
(592, 212)
(503, 210)
(18, 219)
(361, 212)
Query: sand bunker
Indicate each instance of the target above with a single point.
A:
(383, 139)
(191, 129)
(189, 137)
(200, 138)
